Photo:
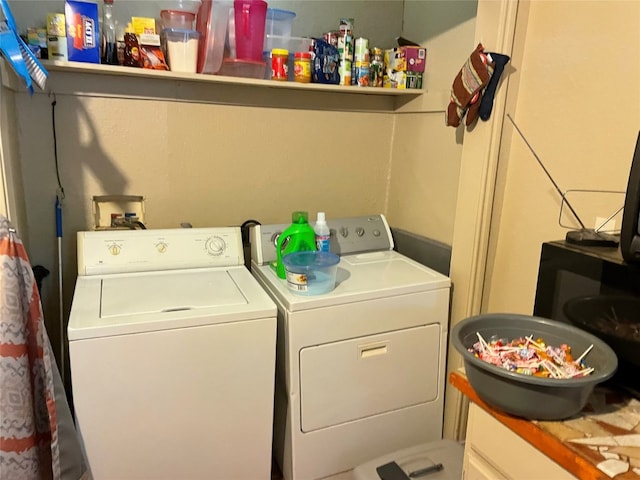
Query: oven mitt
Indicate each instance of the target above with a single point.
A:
(466, 89)
(486, 104)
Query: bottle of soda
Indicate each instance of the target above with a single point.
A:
(109, 50)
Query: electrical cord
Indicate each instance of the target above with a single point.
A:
(55, 146)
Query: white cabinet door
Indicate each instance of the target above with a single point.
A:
(493, 451)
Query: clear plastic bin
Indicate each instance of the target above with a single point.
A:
(279, 22)
(211, 22)
(291, 44)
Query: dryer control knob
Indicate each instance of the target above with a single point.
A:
(215, 246)
(114, 249)
(161, 247)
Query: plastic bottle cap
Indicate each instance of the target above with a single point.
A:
(279, 51)
(321, 217)
(305, 55)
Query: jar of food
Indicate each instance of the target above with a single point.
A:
(279, 64)
(302, 67)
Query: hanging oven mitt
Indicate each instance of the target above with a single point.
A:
(486, 104)
(466, 90)
(17, 53)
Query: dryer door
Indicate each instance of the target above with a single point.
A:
(357, 378)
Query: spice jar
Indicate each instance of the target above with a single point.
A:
(302, 67)
(279, 64)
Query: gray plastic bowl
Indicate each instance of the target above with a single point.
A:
(534, 398)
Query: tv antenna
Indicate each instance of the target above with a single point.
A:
(584, 236)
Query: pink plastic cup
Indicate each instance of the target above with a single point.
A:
(250, 17)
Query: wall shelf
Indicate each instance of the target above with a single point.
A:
(97, 69)
(95, 80)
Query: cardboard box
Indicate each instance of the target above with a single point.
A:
(402, 80)
(406, 59)
(143, 25)
(57, 47)
(83, 37)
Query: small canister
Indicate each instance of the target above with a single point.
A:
(302, 67)
(279, 64)
(345, 72)
(361, 50)
(362, 74)
(376, 71)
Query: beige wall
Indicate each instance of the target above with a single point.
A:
(572, 86)
(576, 70)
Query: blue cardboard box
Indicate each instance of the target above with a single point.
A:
(83, 37)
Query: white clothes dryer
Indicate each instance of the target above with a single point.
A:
(172, 351)
(360, 371)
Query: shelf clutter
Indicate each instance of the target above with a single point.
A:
(201, 38)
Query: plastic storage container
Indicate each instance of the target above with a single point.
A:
(232, 67)
(179, 5)
(211, 22)
(182, 49)
(311, 273)
(279, 22)
(177, 19)
(291, 44)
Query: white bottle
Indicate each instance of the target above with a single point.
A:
(323, 234)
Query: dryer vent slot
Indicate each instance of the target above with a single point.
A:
(176, 309)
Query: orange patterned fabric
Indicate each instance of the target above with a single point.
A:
(28, 432)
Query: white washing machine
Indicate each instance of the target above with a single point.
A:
(172, 351)
(360, 371)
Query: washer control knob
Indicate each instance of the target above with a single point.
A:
(344, 231)
(359, 231)
(376, 233)
(215, 246)
(161, 247)
(114, 249)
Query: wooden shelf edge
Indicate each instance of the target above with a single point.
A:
(98, 69)
(529, 431)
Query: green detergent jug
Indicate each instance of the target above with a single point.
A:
(299, 237)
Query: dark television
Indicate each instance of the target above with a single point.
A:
(630, 232)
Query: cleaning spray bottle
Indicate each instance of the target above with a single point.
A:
(323, 234)
(300, 237)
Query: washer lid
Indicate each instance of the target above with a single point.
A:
(117, 304)
(187, 290)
